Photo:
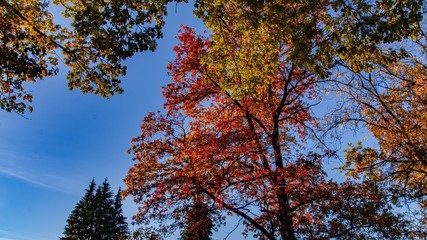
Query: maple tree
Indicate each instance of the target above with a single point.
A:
(246, 155)
(235, 92)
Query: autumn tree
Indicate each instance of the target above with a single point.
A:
(247, 153)
(100, 36)
(245, 62)
(24, 55)
(98, 215)
(320, 34)
(391, 103)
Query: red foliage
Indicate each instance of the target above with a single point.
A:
(246, 156)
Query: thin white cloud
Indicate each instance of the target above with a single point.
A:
(2, 238)
(7, 235)
(27, 169)
(27, 177)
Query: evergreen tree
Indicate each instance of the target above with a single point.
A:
(120, 225)
(98, 215)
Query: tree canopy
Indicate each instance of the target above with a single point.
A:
(248, 156)
(100, 36)
(103, 33)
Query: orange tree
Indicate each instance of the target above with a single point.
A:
(392, 103)
(247, 155)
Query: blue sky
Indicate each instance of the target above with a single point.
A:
(47, 162)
